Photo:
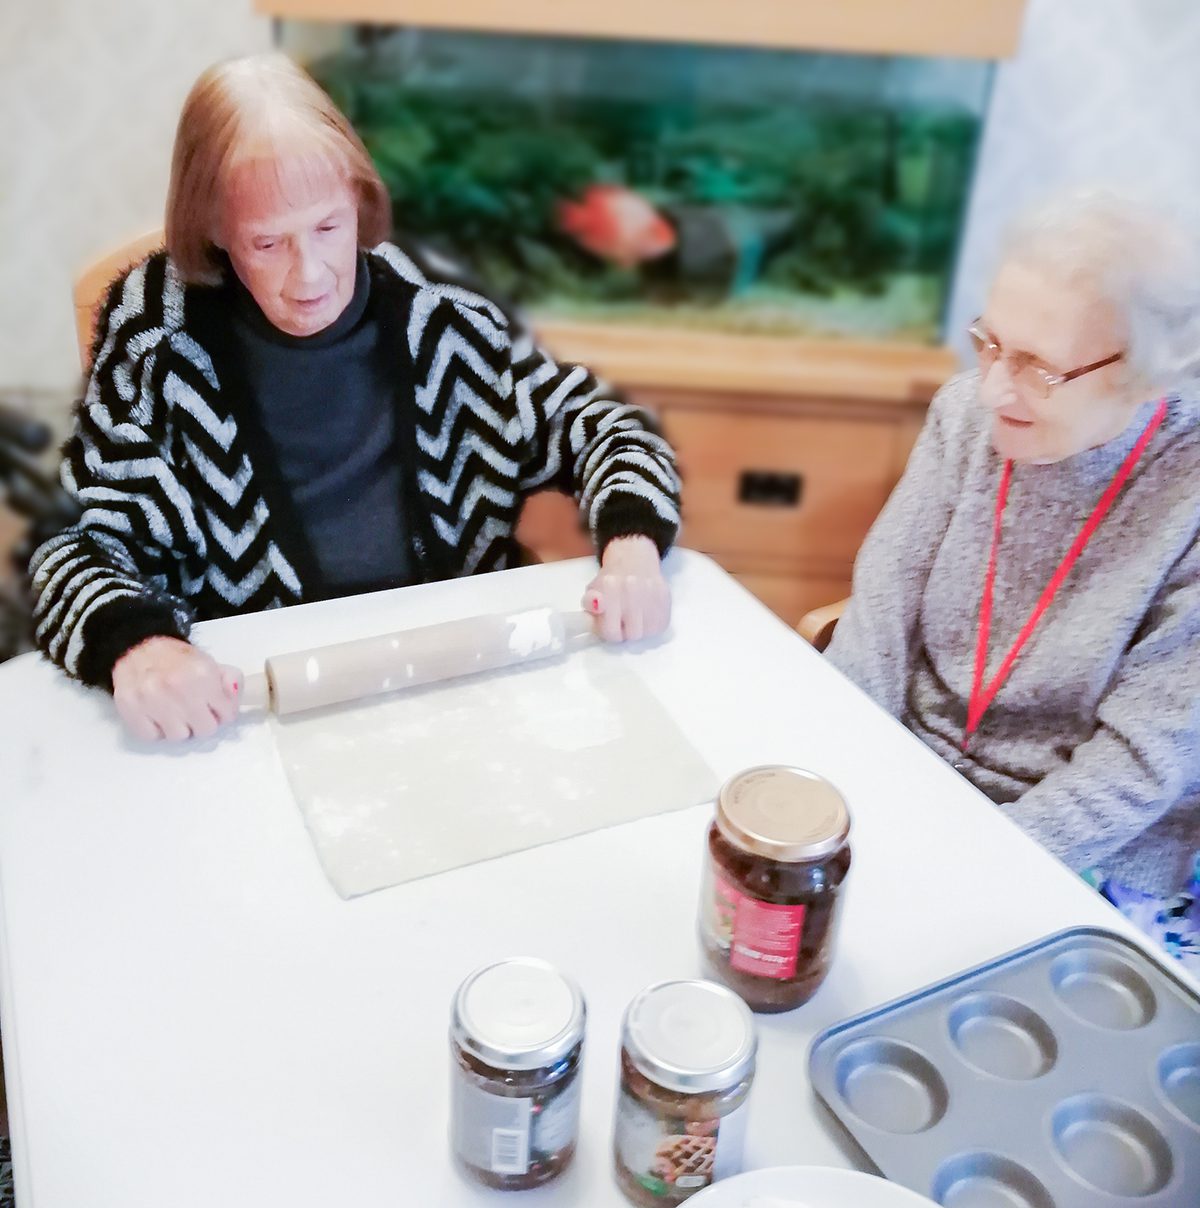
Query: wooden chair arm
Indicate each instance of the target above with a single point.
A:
(817, 627)
(94, 279)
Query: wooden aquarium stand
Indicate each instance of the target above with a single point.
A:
(789, 448)
(976, 29)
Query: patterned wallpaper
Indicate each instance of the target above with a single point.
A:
(1103, 90)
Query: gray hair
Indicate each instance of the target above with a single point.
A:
(1142, 260)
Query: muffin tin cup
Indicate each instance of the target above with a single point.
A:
(986, 1180)
(1103, 990)
(890, 1086)
(1064, 1075)
(1179, 1081)
(1111, 1147)
(1000, 1036)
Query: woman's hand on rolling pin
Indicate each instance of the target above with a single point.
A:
(166, 688)
(629, 598)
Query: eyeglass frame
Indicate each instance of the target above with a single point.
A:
(1051, 381)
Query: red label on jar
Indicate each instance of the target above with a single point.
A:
(764, 939)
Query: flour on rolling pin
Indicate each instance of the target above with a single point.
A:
(366, 667)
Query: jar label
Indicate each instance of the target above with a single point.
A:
(668, 1155)
(763, 938)
(491, 1132)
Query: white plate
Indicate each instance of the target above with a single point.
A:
(808, 1187)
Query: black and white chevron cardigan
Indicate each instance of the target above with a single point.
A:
(185, 515)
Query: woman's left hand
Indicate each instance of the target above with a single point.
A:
(629, 598)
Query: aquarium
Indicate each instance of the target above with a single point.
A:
(705, 188)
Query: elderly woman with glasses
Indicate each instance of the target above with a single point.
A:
(1028, 603)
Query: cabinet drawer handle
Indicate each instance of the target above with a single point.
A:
(770, 489)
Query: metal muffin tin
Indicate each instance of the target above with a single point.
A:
(1064, 1075)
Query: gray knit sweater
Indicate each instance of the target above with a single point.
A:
(1093, 743)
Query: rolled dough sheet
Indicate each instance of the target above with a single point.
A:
(417, 783)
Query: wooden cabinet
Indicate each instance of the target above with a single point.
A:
(782, 492)
(766, 485)
(788, 450)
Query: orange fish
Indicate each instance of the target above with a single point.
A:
(617, 224)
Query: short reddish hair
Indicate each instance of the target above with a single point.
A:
(240, 105)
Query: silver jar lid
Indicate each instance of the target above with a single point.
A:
(690, 1036)
(518, 1014)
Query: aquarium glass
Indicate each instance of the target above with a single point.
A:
(737, 190)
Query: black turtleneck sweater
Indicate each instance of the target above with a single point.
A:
(327, 407)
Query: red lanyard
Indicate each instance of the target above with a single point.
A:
(981, 695)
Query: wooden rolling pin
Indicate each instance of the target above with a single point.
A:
(366, 667)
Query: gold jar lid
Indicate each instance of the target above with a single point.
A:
(783, 813)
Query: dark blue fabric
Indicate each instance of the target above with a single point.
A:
(327, 407)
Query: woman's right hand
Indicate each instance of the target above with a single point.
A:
(166, 688)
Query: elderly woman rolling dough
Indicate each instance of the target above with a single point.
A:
(1028, 603)
(282, 407)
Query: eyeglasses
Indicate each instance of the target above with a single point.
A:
(1028, 376)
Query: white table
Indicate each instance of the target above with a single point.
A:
(192, 1017)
